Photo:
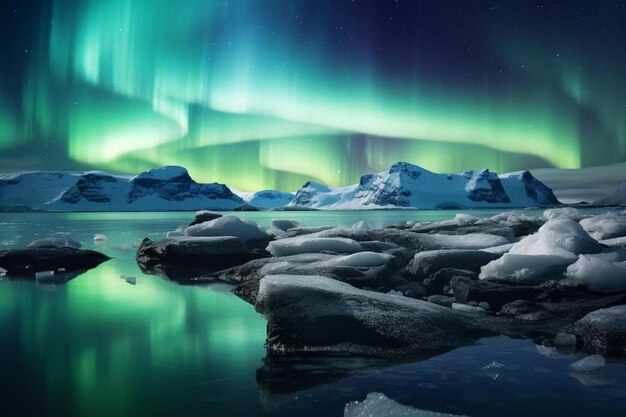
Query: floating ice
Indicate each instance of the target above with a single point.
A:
(100, 237)
(244, 229)
(467, 241)
(543, 255)
(605, 226)
(360, 259)
(597, 274)
(378, 405)
(588, 364)
(307, 244)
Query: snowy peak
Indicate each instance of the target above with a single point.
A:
(483, 185)
(408, 185)
(167, 188)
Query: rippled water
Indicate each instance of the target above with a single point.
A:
(100, 346)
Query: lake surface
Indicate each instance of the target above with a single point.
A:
(100, 346)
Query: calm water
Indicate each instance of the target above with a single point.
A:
(100, 346)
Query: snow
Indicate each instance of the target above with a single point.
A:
(557, 244)
(378, 405)
(32, 189)
(563, 213)
(307, 244)
(527, 268)
(268, 199)
(406, 185)
(360, 259)
(597, 274)
(163, 173)
(245, 229)
(588, 364)
(559, 237)
(605, 226)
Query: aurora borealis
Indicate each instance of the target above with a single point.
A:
(271, 93)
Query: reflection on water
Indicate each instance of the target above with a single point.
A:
(101, 346)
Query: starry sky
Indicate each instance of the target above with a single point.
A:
(271, 93)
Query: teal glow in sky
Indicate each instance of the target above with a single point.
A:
(269, 94)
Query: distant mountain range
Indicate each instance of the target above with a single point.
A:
(171, 188)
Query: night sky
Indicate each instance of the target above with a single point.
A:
(271, 93)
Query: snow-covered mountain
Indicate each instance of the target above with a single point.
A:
(32, 189)
(167, 188)
(410, 186)
(268, 199)
(617, 198)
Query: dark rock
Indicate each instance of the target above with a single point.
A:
(26, 262)
(426, 263)
(602, 331)
(200, 255)
(496, 294)
(436, 282)
(526, 310)
(316, 314)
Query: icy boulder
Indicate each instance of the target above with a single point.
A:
(543, 255)
(360, 260)
(598, 274)
(243, 229)
(306, 244)
(605, 226)
(602, 331)
(467, 241)
(378, 405)
(314, 313)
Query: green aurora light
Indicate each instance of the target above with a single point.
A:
(254, 96)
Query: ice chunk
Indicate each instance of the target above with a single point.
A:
(563, 213)
(543, 255)
(531, 269)
(378, 405)
(306, 244)
(174, 233)
(559, 237)
(565, 339)
(280, 226)
(100, 237)
(467, 241)
(360, 259)
(44, 276)
(244, 229)
(605, 226)
(494, 365)
(597, 274)
(467, 308)
(587, 364)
